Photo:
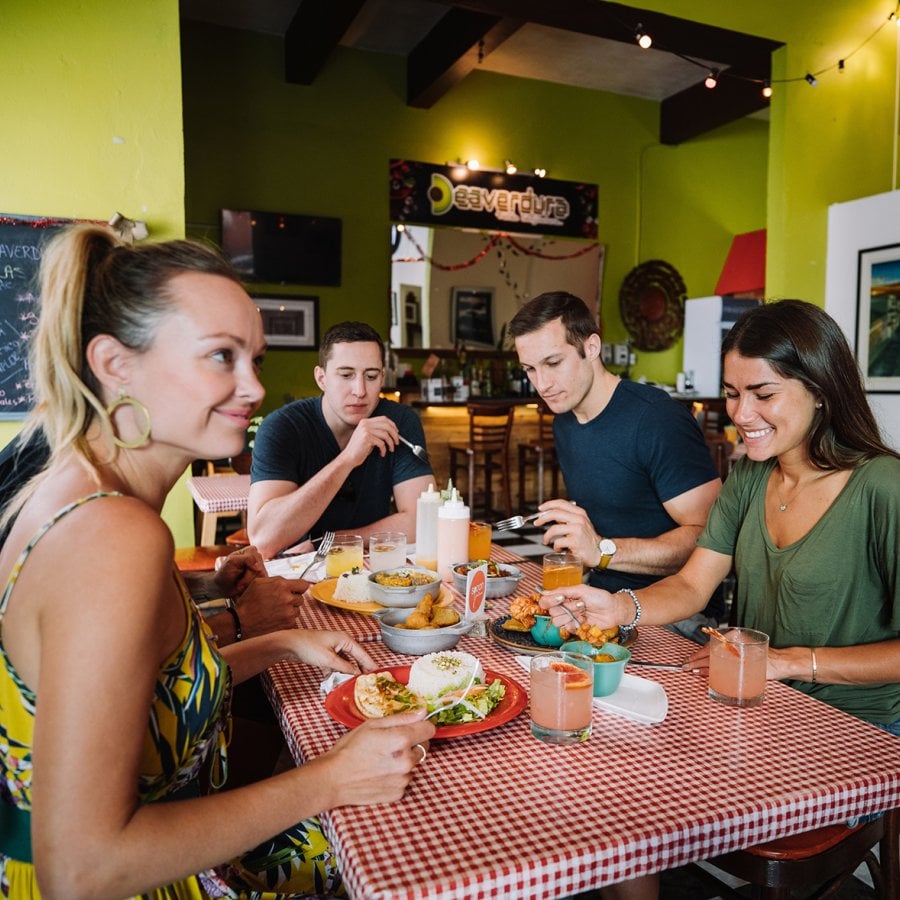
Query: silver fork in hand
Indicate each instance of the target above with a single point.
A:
(514, 522)
(417, 449)
(321, 553)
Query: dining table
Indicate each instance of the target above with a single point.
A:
(223, 494)
(497, 813)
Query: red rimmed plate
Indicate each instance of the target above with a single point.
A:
(339, 704)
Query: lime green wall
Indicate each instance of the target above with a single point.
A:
(91, 106)
(253, 141)
(829, 143)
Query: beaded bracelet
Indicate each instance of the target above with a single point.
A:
(637, 606)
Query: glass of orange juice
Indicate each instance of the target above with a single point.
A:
(562, 693)
(479, 540)
(737, 667)
(346, 553)
(562, 570)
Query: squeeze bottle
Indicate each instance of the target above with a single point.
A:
(452, 535)
(427, 507)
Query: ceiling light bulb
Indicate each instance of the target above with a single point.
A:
(540, 172)
(767, 89)
(643, 39)
(811, 79)
(472, 164)
(511, 167)
(712, 79)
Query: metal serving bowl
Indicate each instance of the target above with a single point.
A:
(404, 596)
(417, 642)
(497, 586)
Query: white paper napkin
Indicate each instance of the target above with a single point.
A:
(291, 566)
(639, 699)
(334, 680)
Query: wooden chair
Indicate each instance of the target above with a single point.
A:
(199, 559)
(487, 453)
(542, 455)
(826, 857)
(721, 451)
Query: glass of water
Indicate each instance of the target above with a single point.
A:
(387, 550)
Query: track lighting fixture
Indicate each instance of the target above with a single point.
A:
(767, 89)
(510, 166)
(473, 165)
(811, 79)
(712, 79)
(643, 39)
(540, 172)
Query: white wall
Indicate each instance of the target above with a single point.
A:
(854, 226)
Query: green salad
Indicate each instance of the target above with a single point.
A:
(480, 700)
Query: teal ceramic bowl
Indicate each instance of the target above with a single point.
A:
(607, 675)
(545, 632)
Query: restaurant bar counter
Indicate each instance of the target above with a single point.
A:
(500, 814)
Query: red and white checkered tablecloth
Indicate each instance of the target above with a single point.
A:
(500, 814)
(220, 493)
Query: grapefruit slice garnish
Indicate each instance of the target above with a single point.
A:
(574, 677)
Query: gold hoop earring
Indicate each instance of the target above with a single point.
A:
(124, 400)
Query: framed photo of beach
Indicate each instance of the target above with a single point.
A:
(878, 318)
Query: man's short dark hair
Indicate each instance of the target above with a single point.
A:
(571, 310)
(348, 333)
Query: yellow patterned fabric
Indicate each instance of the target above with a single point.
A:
(186, 732)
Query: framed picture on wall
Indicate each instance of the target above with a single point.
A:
(472, 316)
(290, 321)
(878, 318)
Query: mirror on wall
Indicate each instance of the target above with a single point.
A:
(453, 284)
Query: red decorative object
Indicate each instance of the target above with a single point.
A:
(652, 304)
(744, 271)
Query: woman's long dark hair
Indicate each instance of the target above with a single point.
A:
(801, 341)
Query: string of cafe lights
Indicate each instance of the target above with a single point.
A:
(460, 168)
(644, 40)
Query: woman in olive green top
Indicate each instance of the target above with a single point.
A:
(810, 518)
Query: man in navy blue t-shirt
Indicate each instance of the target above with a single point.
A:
(639, 476)
(334, 462)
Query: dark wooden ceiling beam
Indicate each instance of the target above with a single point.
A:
(698, 109)
(452, 49)
(691, 112)
(314, 32)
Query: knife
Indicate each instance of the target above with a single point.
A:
(655, 665)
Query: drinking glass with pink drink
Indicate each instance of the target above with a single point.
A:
(737, 666)
(562, 693)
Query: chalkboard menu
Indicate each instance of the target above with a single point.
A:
(22, 239)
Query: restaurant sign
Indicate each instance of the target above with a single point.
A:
(428, 194)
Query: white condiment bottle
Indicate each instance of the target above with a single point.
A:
(452, 535)
(427, 507)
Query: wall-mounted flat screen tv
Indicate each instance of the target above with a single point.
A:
(283, 248)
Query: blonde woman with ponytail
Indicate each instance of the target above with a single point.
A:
(146, 358)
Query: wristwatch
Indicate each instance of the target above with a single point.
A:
(607, 548)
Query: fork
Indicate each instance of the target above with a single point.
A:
(321, 553)
(457, 700)
(417, 449)
(514, 522)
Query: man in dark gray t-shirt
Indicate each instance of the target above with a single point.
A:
(334, 462)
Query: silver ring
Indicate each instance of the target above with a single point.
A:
(421, 750)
